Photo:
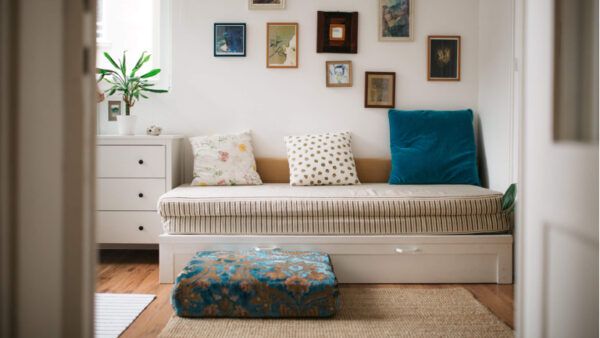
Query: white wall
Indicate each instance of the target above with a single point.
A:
(211, 95)
(495, 106)
(215, 95)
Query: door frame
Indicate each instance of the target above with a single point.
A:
(48, 121)
(519, 98)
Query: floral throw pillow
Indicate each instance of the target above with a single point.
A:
(224, 160)
(321, 159)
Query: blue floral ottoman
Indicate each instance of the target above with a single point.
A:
(259, 284)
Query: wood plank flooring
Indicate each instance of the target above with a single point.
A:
(136, 271)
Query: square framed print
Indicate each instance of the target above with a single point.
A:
(114, 110)
(338, 73)
(380, 89)
(396, 20)
(230, 39)
(266, 4)
(282, 45)
(337, 32)
(443, 58)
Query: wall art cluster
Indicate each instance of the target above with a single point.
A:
(337, 33)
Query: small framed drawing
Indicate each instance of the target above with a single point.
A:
(337, 32)
(266, 4)
(380, 90)
(230, 39)
(114, 110)
(282, 45)
(339, 73)
(443, 58)
(396, 20)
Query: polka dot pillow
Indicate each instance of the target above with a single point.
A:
(224, 160)
(321, 159)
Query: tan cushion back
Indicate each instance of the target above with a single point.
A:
(369, 170)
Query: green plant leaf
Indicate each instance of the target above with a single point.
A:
(142, 60)
(151, 73)
(156, 90)
(509, 197)
(104, 71)
(111, 60)
(124, 66)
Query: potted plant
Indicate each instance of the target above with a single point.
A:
(132, 87)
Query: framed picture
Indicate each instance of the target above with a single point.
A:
(443, 58)
(266, 4)
(282, 45)
(338, 73)
(380, 90)
(396, 20)
(337, 32)
(230, 39)
(114, 110)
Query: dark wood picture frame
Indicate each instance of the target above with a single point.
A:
(297, 27)
(348, 44)
(240, 24)
(367, 88)
(456, 58)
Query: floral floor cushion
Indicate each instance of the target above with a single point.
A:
(256, 284)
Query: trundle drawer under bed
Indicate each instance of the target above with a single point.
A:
(369, 259)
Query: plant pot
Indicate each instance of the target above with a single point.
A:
(126, 124)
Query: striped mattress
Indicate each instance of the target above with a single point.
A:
(366, 209)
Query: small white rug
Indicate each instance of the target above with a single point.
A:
(115, 312)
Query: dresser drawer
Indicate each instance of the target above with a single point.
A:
(125, 194)
(119, 227)
(131, 161)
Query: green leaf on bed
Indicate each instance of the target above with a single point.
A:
(509, 197)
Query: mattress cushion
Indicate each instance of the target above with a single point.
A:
(376, 208)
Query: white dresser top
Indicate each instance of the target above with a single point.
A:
(138, 137)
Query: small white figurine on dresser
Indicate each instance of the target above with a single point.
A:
(154, 130)
(132, 173)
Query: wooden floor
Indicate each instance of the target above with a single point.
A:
(121, 271)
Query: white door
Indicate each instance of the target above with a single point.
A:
(557, 251)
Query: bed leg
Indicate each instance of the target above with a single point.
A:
(504, 273)
(166, 262)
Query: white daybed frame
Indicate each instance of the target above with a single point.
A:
(364, 259)
(369, 259)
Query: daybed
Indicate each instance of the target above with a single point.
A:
(374, 232)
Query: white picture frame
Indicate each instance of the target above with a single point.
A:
(261, 6)
(383, 35)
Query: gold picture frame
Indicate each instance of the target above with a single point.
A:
(339, 74)
(282, 44)
(443, 47)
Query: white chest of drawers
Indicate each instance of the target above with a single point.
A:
(132, 172)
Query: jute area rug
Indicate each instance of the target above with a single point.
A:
(372, 312)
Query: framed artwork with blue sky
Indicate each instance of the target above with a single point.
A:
(230, 39)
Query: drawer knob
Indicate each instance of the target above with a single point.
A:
(141, 228)
(140, 195)
(141, 162)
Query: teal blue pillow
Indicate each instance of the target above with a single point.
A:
(433, 147)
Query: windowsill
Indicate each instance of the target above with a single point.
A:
(102, 44)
